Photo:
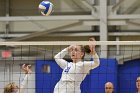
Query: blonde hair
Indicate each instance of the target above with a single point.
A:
(10, 87)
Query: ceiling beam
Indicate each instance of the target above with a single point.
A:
(79, 4)
(63, 34)
(88, 5)
(133, 23)
(113, 22)
(35, 34)
(43, 18)
(2, 40)
(124, 17)
(67, 18)
(73, 34)
(14, 35)
(117, 5)
(134, 6)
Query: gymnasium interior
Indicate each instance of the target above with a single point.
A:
(71, 20)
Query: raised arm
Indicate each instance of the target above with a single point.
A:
(91, 50)
(59, 58)
(93, 64)
(27, 70)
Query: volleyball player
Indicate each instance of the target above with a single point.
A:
(13, 88)
(109, 88)
(74, 72)
(138, 84)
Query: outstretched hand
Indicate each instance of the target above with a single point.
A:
(26, 68)
(92, 45)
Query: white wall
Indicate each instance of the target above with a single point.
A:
(4, 76)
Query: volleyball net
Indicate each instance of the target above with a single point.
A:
(119, 64)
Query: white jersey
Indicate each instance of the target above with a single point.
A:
(24, 83)
(73, 73)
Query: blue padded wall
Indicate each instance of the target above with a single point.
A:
(45, 82)
(107, 71)
(127, 75)
(93, 83)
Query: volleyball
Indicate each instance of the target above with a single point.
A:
(46, 8)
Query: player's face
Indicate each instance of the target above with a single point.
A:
(76, 53)
(138, 83)
(15, 89)
(108, 89)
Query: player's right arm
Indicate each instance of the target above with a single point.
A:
(27, 70)
(59, 58)
(91, 50)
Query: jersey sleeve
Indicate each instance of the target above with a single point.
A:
(92, 64)
(59, 58)
(24, 83)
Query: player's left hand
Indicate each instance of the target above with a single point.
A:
(26, 68)
(92, 45)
